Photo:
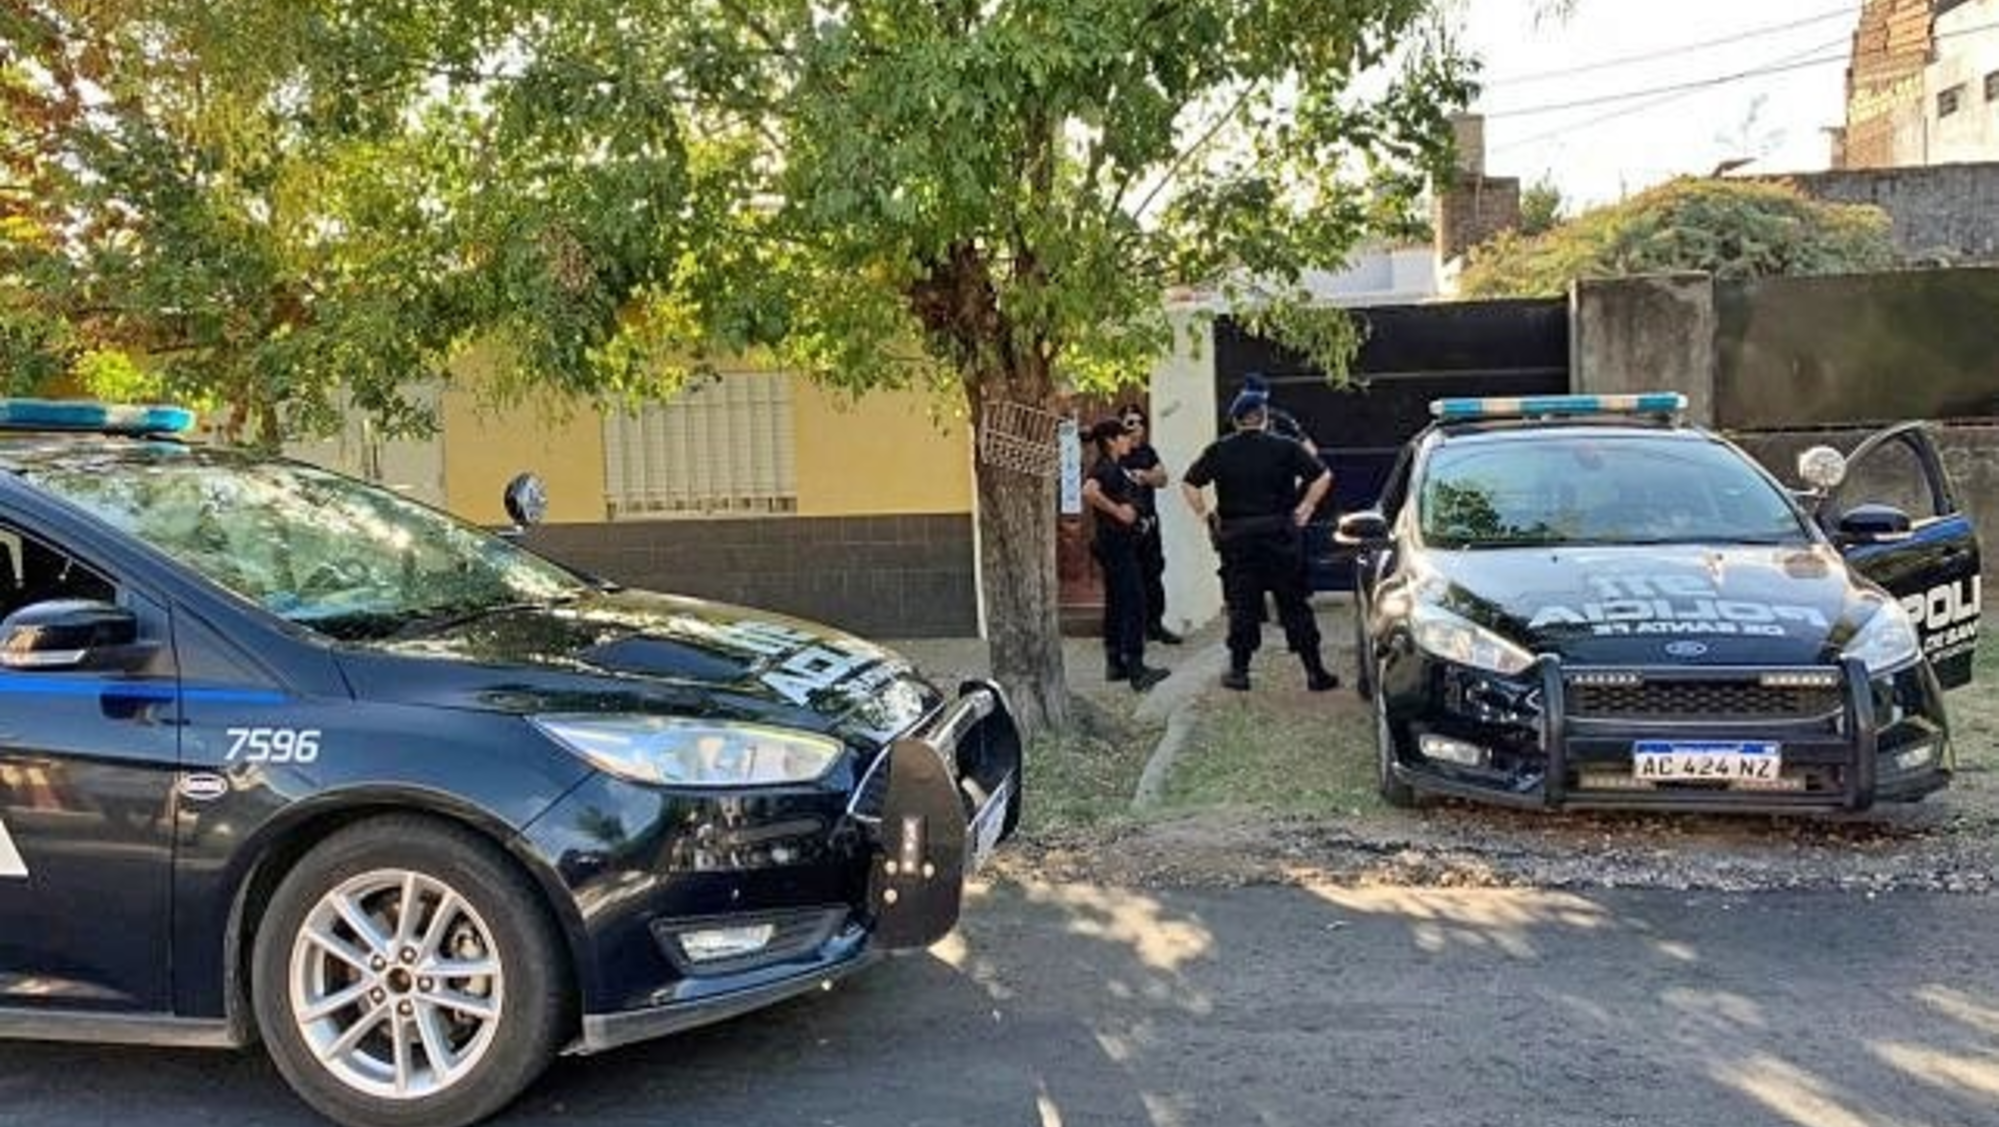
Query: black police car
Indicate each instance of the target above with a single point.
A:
(1580, 601)
(287, 756)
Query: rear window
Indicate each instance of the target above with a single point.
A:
(1548, 487)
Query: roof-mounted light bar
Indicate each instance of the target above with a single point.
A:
(1543, 406)
(93, 418)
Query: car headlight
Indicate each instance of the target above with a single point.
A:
(679, 752)
(1440, 633)
(1885, 641)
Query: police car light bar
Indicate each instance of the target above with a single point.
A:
(1528, 406)
(96, 418)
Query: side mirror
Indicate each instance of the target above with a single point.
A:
(1364, 528)
(71, 634)
(1873, 524)
(1822, 468)
(526, 500)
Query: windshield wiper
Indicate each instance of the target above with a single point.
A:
(436, 620)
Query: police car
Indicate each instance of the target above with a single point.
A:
(1582, 601)
(285, 756)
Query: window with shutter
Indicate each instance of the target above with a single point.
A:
(721, 448)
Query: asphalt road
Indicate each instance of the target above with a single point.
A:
(1075, 1005)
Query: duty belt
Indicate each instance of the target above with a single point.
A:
(1233, 527)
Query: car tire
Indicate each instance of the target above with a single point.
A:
(1393, 791)
(439, 1021)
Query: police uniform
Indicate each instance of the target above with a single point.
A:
(1116, 547)
(1257, 478)
(1151, 548)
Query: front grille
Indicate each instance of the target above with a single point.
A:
(1697, 700)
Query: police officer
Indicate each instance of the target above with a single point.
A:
(1258, 518)
(1110, 491)
(1148, 472)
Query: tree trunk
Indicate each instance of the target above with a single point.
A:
(1023, 622)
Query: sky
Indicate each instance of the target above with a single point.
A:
(1613, 145)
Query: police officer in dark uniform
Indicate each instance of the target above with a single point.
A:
(1120, 527)
(1258, 518)
(1148, 472)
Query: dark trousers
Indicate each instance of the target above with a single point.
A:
(1274, 561)
(1124, 600)
(1152, 566)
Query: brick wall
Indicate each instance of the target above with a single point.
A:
(880, 577)
(1947, 211)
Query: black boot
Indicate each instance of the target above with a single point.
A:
(1143, 677)
(1318, 678)
(1237, 677)
(1116, 670)
(1165, 637)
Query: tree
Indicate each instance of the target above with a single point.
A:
(1541, 207)
(1728, 228)
(285, 198)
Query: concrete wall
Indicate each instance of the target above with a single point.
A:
(1645, 334)
(1854, 349)
(1183, 424)
(1947, 211)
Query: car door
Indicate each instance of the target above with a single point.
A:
(1934, 570)
(87, 771)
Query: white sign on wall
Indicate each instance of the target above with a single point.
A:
(1070, 444)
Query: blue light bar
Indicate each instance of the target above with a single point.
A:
(1531, 406)
(95, 418)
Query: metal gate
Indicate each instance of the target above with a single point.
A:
(1411, 354)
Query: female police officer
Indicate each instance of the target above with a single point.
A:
(1260, 513)
(1110, 491)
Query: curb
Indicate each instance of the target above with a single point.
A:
(1177, 700)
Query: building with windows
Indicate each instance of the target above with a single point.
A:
(1922, 86)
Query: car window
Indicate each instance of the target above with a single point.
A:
(1892, 473)
(1553, 488)
(33, 571)
(341, 556)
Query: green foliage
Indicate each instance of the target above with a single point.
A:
(267, 201)
(1542, 208)
(1728, 228)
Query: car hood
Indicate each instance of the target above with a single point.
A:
(1656, 604)
(635, 651)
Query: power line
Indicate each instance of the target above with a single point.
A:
(1670, 52)
(1794, 63)
(1797, 61)
(1789, 61)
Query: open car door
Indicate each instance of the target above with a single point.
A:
(1933, 567)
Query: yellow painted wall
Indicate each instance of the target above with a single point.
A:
(883, 454)
(485, 447)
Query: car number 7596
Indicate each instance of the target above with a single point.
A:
(273, 745)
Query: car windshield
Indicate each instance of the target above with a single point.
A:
(343, 557)
(1548, 487)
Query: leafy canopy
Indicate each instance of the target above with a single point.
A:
(1728, 228)
(262, 202)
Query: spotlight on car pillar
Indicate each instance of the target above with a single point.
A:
(526, 500)
(1822, 467)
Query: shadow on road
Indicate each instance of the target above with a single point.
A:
(1071, 1004)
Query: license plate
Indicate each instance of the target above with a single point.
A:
(1675, 761)
(987, 826)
